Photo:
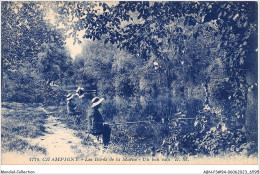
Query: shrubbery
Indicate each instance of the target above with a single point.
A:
(150, 61)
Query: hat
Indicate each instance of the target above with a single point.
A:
(96, 101)
(80, 92)
(70, 96)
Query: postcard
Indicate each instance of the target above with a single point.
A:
(129, 83)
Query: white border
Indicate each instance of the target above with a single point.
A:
(126, 169)
(130, 169)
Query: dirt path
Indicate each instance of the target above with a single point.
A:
(59, 142)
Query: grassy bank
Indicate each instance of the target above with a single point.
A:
(21, 122)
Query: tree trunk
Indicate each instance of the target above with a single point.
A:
(251, 111)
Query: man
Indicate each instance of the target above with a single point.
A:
(96, 125)
(72, 108)
(81, 103)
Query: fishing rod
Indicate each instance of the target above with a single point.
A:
(136, 122)
(147, 121)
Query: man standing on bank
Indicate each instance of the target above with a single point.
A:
(96, 125)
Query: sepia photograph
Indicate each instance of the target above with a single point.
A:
(129, 83)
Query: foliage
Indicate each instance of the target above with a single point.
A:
(160, 32)
(54, 62)
(21, 122)
(23, 37)
(163, 62)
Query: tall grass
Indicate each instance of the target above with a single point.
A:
(21, 122)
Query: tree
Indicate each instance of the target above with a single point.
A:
(164, 30)
(55, 62)
(24, 30)
(207, 46)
